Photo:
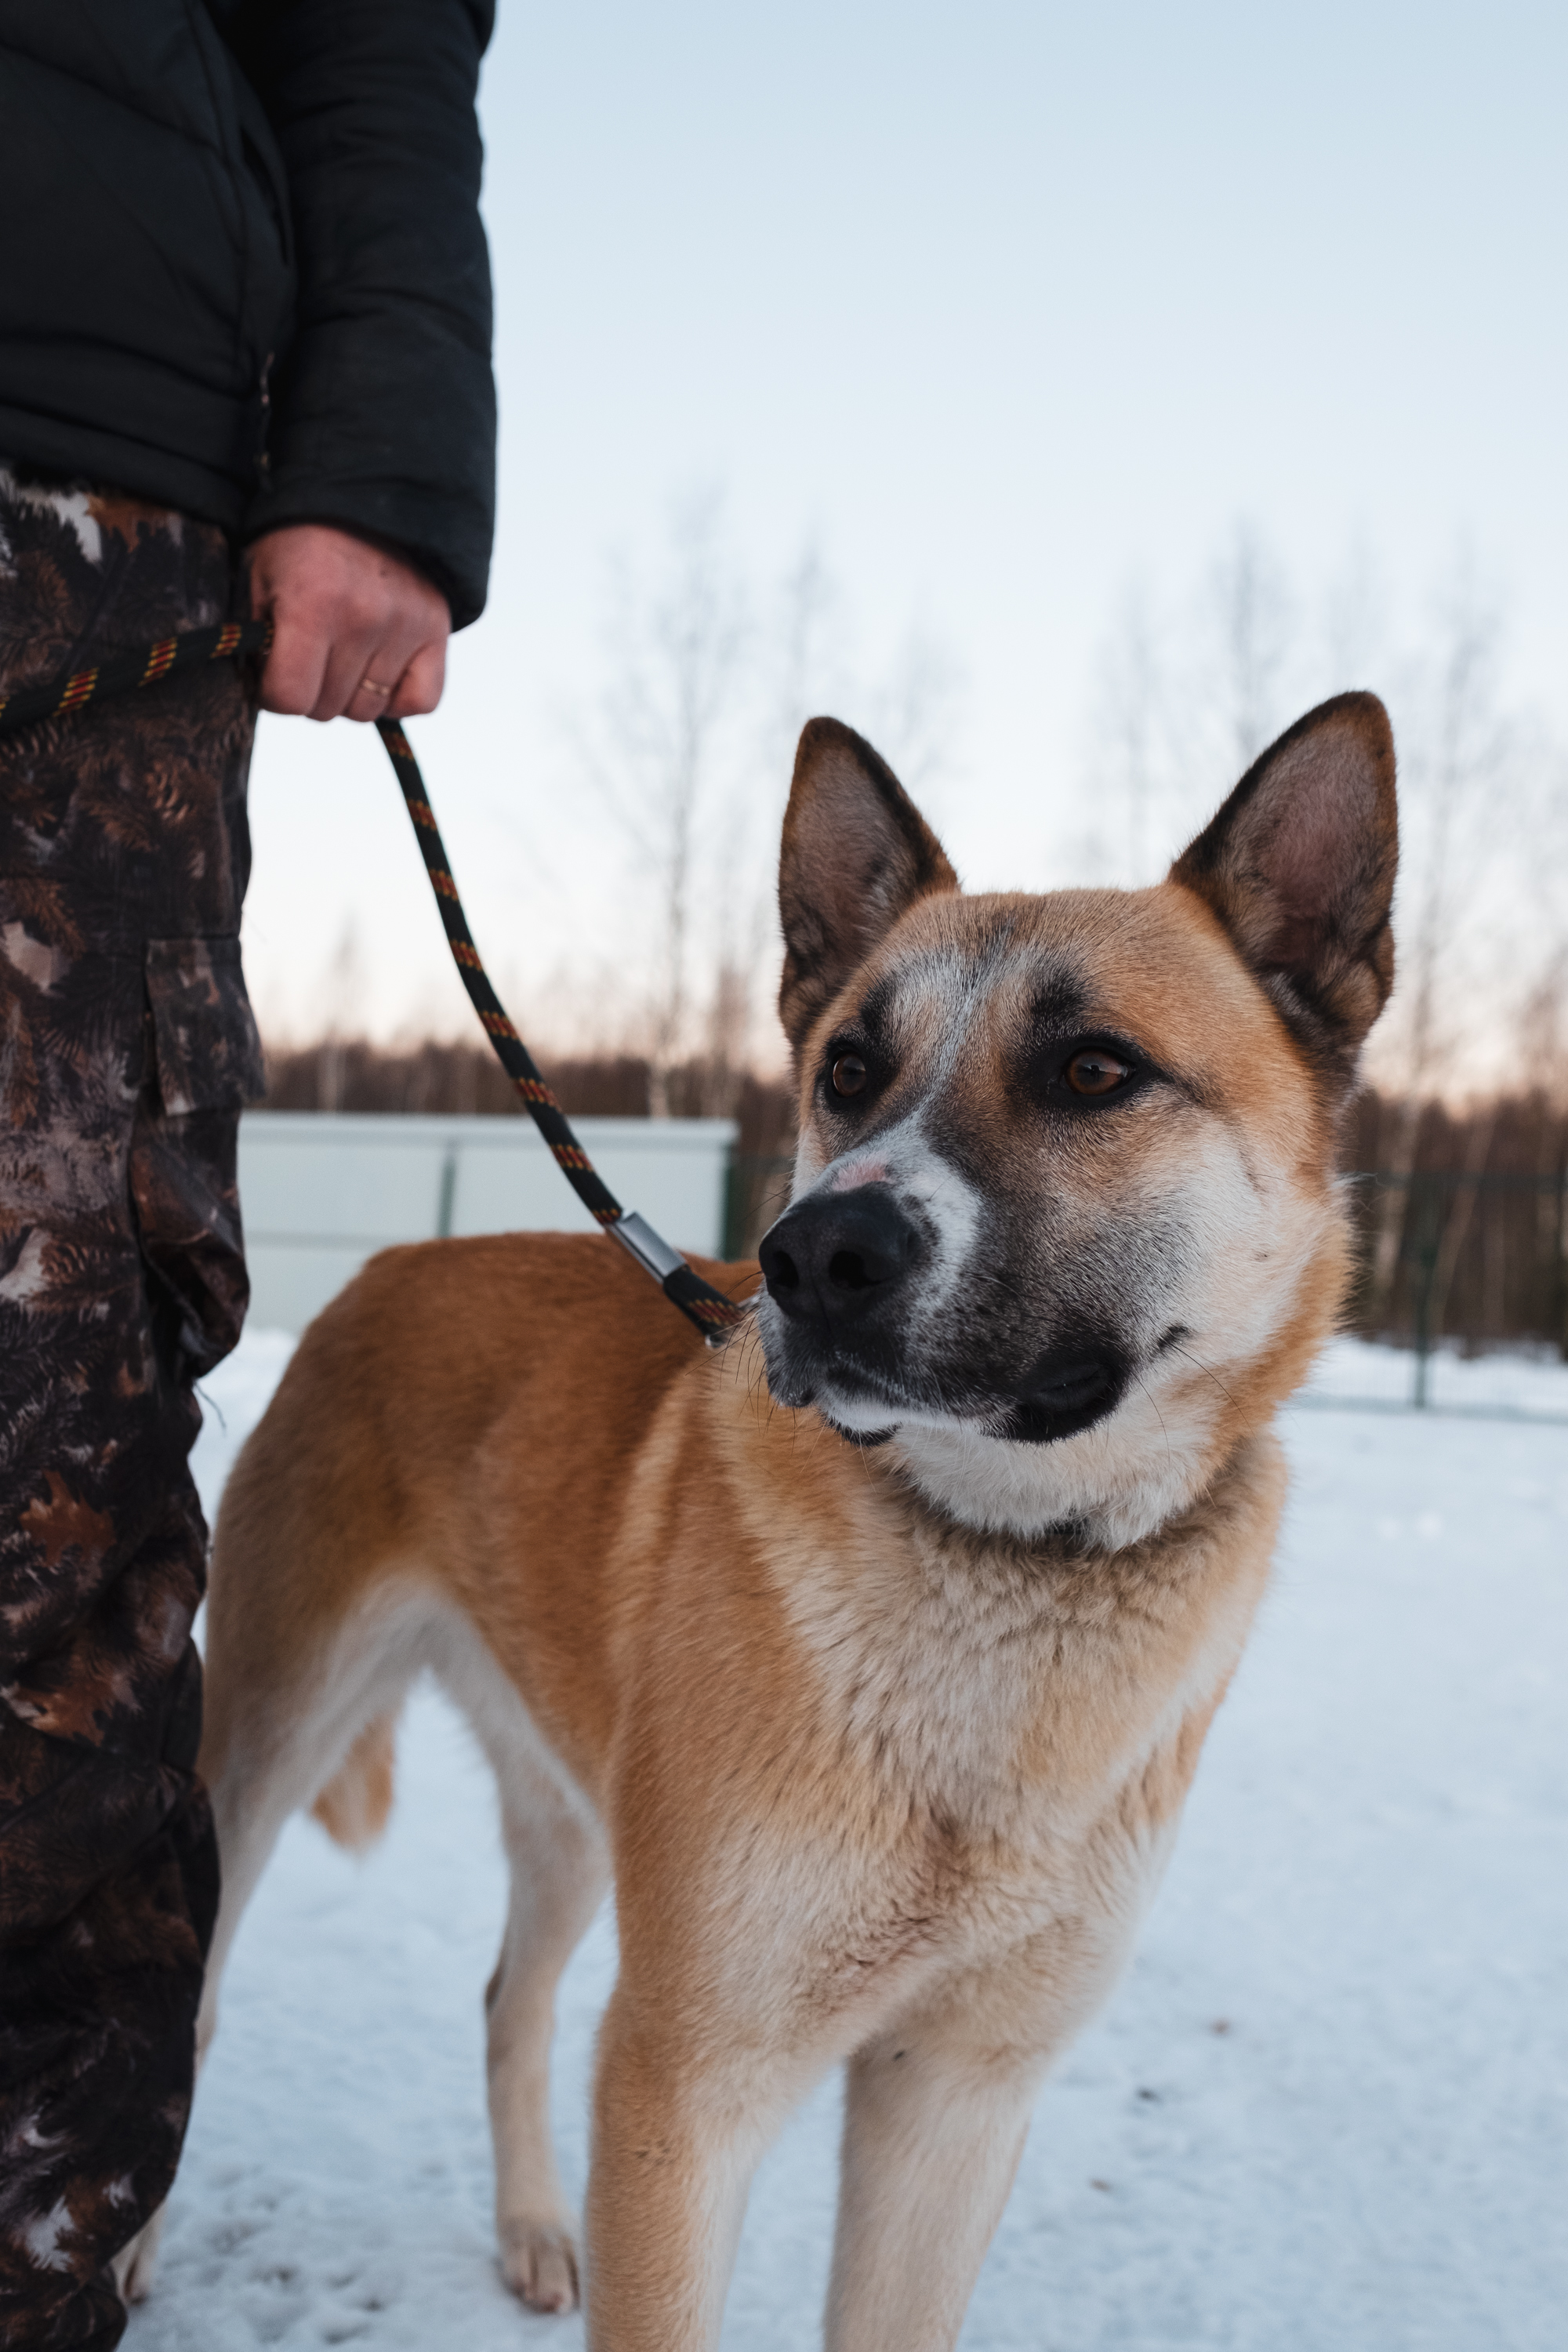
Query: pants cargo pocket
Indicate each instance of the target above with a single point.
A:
(206, 1065)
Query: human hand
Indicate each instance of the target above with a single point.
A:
(356, 633)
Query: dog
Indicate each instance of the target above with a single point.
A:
(871, 1655)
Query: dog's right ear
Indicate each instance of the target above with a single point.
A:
(856, 852)
(1299, 865)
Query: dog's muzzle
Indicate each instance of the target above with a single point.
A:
(841, 1269)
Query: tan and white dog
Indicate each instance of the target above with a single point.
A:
(872, 1654)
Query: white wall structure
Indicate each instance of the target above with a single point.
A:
(323, 1192)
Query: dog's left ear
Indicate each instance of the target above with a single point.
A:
(1299, 865)
(856, 853)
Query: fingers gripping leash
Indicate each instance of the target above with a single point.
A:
(714, 1315)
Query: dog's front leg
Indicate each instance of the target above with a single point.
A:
(675, 2143)
(936, 2112)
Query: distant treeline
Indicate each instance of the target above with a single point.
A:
(1463, 1217)
(432, 1079)
(1462, 1214)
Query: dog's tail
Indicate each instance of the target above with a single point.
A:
(353, 1806)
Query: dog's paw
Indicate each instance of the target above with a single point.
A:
(134, 2264)
(539, 2263)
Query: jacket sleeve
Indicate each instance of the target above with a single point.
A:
(384, 414)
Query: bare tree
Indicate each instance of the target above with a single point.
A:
(797, 669)
(1453, 780)
(689, 746)
(1483, 902)
(1255, 619)
(1455, 761)
(808, 668)
(1184, 699)
(1354, 626)
(675, 676)
(342, 995)
(1128, 724)
(1544, 1029)
(1461, 1210)
(913, 715)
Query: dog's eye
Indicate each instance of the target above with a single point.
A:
(849, 1075)
(1094, 1071)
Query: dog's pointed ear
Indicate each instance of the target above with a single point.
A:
(1299, 865)
(856, 853)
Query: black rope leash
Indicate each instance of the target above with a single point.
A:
(698, 1300)
(123, 673)
(713, 1314)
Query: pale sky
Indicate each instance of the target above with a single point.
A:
(1002, 306)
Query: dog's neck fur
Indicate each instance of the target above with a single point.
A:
(1114, 1485)
(946, 1653)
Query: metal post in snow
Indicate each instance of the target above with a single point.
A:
(734, 1237)
(448, 1194)
(1424, 1210)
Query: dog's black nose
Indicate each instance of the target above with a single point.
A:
(834, 1256)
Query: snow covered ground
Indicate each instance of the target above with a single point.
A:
(1522, 1384)
(1327, 2111)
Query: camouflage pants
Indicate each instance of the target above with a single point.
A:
(126, 1050)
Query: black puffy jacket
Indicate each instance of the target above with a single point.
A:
(243, 271)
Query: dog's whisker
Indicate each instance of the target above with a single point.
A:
(1208, 1370)
(1158, 1414)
